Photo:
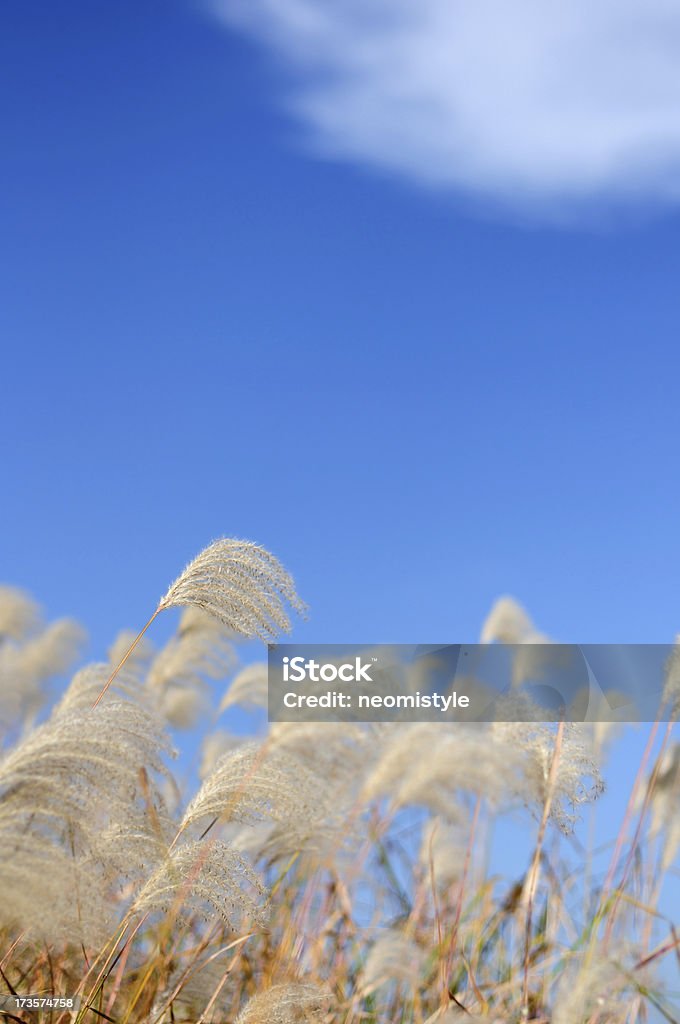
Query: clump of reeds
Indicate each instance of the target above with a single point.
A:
(319, 872)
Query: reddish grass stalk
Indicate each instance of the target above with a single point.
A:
(532, 878)
(463, 882)
(125, 657)
(638, 831)
(623, 831)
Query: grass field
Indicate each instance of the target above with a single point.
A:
(319, 872)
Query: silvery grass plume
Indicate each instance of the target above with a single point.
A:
(430, 764)
(393, 958)
(52, 651)
(299, 1003)
(248, 688)
(443, 851)
(600, 989)
(577, 780)
(340, 752)
(242, 585)
(140, 658)
(214, 747)
(81, 776)
(126, 844)
(534, 652)
(81, 762)
(456, 1016)
(189, 990)
(671, 689)
(88, 681)
(254, 784)
(665, 804)
(19, 614)
(253, 841)
(338, 756)
(46, 891)
(250, 784)
(200, 650)
(601, 726)
(507, 623)
(238, 583)
(537, 658)
(27, 665)
(205, 878)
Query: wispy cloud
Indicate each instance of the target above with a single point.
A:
(543, 104)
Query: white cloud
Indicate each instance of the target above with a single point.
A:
(531, 102)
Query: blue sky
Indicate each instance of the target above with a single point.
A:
(418, 398)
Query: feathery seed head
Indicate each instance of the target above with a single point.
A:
(255, 784)
(599, 988)
(203, 650)
(507, 623)
(248, 688)
(190, 988)
(82, 760)
(214, 747)
(200, 650)
(53, 650)
(394, 957)
(79, 793)
(39, 881)
(442, 851)
(665, 799)
(206, 878)
(139, 657)
(577, 779)
(340, 752)
(429, 763)
(88, 682)
(671, 690)
(249, 784)
(242, 585)
(287, 1004)
(26, 667)
(19, 614)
